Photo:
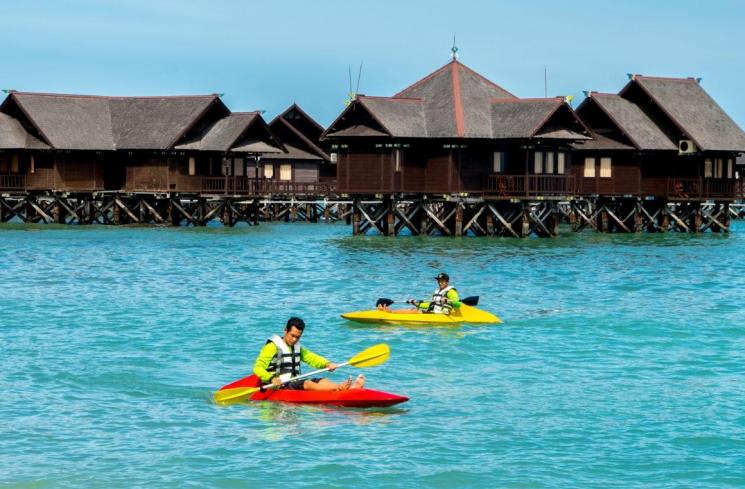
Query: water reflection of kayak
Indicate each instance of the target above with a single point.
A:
(348, 398)
(464, 314)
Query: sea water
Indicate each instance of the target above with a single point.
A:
(620, 363)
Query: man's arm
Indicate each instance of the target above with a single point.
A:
(263, 360)
(316, 361)
(453, 298)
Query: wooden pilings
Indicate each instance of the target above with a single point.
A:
(388, 216)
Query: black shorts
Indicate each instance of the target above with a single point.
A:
(297, 385)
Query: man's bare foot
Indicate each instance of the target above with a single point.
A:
(345, 385)
(359, 383)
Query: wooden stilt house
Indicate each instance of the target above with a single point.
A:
(658, 138)
(306, 167)
(455, 132)
(75, 143)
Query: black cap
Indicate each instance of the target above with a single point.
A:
(442, 275)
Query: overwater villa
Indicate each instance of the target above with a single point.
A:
(455, 153)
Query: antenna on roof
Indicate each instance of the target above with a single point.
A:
(352, 94)
(454, 50)
(359, 75)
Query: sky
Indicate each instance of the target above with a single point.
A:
(265, 55)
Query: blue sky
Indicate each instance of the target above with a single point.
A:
(266, 55)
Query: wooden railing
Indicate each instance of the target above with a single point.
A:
(12, 182)
(252, 186)
(701, 188)
(528, 185)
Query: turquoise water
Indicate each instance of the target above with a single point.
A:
(621, 362)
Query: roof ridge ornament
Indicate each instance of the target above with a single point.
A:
(454, 50)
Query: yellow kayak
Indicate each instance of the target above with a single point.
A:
(464, 314)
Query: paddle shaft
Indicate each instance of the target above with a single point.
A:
(303, 376)
(469, 301)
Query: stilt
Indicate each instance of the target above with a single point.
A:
(458, 219)
(356, 217)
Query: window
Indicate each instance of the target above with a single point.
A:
(560, 163)
(14, 164)
(32, 165)
(498, 162)
(730, 168)
(550, 162)
(538, 163)
(397, 159)
(605, 168)
(707, 168)
(718, 164)
(334, 157)
(589, 167)
(268, 171)
(192, 166)
(285, 172)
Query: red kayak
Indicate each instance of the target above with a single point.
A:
(349, 398)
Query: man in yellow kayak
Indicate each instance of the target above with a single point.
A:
(444, 300)
(280, 359)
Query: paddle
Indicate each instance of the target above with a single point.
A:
(375, 355)
(469, 301)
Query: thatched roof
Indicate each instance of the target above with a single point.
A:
(629, 119)
(527, 118)
(14, 136)
(222, 134)
(81, 122)
(456, 102)
(400, 117)
(693, 111)
(156, 122)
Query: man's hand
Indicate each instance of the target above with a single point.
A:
(331, 366)
(276, 382)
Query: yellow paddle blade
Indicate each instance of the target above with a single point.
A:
(375, 355)
(237, 394)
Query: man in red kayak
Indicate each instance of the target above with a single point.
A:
(444, 300)
(280, 360)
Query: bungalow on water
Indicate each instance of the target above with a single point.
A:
(663, 155)
(74, 158)
(304, 172)
(455, 153)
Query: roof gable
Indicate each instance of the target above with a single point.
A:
(14, 136)
(155, 122)
(401, 117)
(527, 118)
(301, 121)
(291, 135)
(693, 111)
(69, 121)
(641, 131)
